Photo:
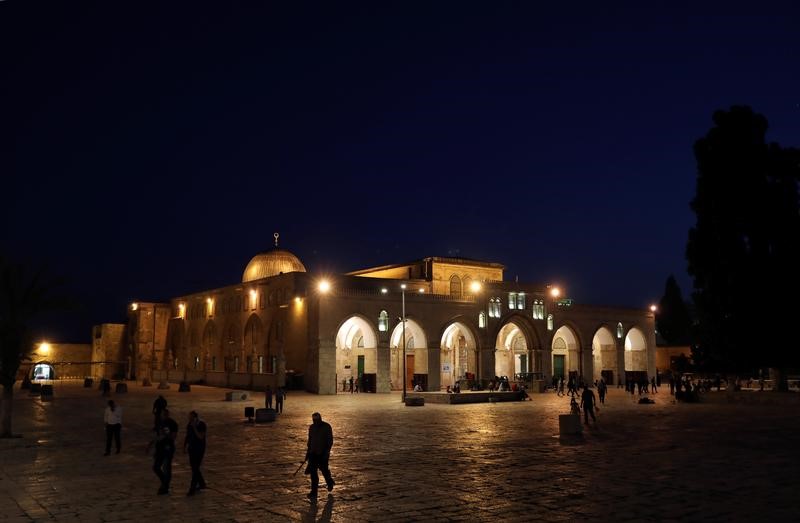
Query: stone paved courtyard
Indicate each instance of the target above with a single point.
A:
(713, 461)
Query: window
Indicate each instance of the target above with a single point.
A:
(213, 363)
(261, 303)
(521, 301)
(512, 300)
(175, 363)
(620, 330)
(538, 309)
(495, 307)
(549, 322)
(196, 362)
(261, 364)
(482, 320)
(236, 364)
(383, 321)
(455, 286)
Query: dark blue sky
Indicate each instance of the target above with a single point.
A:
(153, 149)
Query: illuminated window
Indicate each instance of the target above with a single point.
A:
(538, 309)
(549, 322)
(455, 286)
(482, 320)
(236, 364)
(383, 321)
(213, 363)
(196, 362)
(495, 307)
(512, 300)
(521, 301)
(261, 364)
(620, 330)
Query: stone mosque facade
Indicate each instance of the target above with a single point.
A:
(283, 326)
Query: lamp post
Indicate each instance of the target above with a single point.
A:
(404, 377)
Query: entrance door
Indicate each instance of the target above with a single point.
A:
(410, 371)
(523, 364)
(360, 368)
(558, 365)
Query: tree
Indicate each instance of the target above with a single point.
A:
(743, 252)
(673, 320)
(24, 295)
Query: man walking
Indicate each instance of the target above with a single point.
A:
(601, 390)
(165, 450)
(320, 441)
(268, 397)
(280, 395)
(158, 406)
(587, 404)
(195, 446)
(113, 421)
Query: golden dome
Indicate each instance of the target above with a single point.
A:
(272, 263)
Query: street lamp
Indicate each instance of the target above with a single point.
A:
(404, 378)
(653, 308)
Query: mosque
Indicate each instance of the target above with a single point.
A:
(284, 326)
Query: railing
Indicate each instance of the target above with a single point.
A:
(410, 295)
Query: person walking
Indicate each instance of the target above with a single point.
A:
(280, 395)
(159, 405)
(587, 404)
(653, 385)
(165, 450)
(601, 390)
(268, 397)
(195, 445)
(113, 421)
(320, 441)
(351, 384)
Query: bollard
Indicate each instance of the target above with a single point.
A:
(47, 392)
(236, 395)
(569, 425)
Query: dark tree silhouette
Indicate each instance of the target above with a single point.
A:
(24, 295)
(743, 251)
(673, 320)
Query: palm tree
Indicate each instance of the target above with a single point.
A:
(24, 295)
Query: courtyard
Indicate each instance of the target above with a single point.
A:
(712, 461)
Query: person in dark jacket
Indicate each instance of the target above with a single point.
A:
(195, 446)
(320, 441)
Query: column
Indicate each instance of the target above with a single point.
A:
(434, 368)
(620, 360)
(384, 367)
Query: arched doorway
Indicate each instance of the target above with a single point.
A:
(565, 356)
(232, 347)
(357, 353)
(416, 356)
(210, 347)
(459, 356)
(511, 351)
(254, 345)
(43, 371)
(635, 355)
(604, 356)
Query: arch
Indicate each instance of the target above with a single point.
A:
(356, 350)
(565, 352)
(43, 370)
(416, 355)
(254, 344)
(459, 353)
(514, 342)
(232, 346)
(455, 286)
(210, 345)
(383, 321)
(635, 351)
(176, 355)
(604, 355)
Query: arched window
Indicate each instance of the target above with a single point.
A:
(549, 322)
(455, 286)
(467, 285)
(383, 321)
(482, 320)
(620, 330)
(538, 309)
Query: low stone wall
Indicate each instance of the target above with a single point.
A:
(227, 380)
(465, 397)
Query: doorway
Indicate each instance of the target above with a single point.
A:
(410, 371)
(558, 365)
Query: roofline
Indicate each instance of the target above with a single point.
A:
(440, 259)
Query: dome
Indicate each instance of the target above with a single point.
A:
(272, 263)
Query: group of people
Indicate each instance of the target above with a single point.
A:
(355, 384)
(279, 396)
(166, 436)
(165, 429)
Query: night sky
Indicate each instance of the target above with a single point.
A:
(150, 150)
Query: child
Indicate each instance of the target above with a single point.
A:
(574, 408)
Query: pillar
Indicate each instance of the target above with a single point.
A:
(434, 368)
(325, 367)
(384, 367)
